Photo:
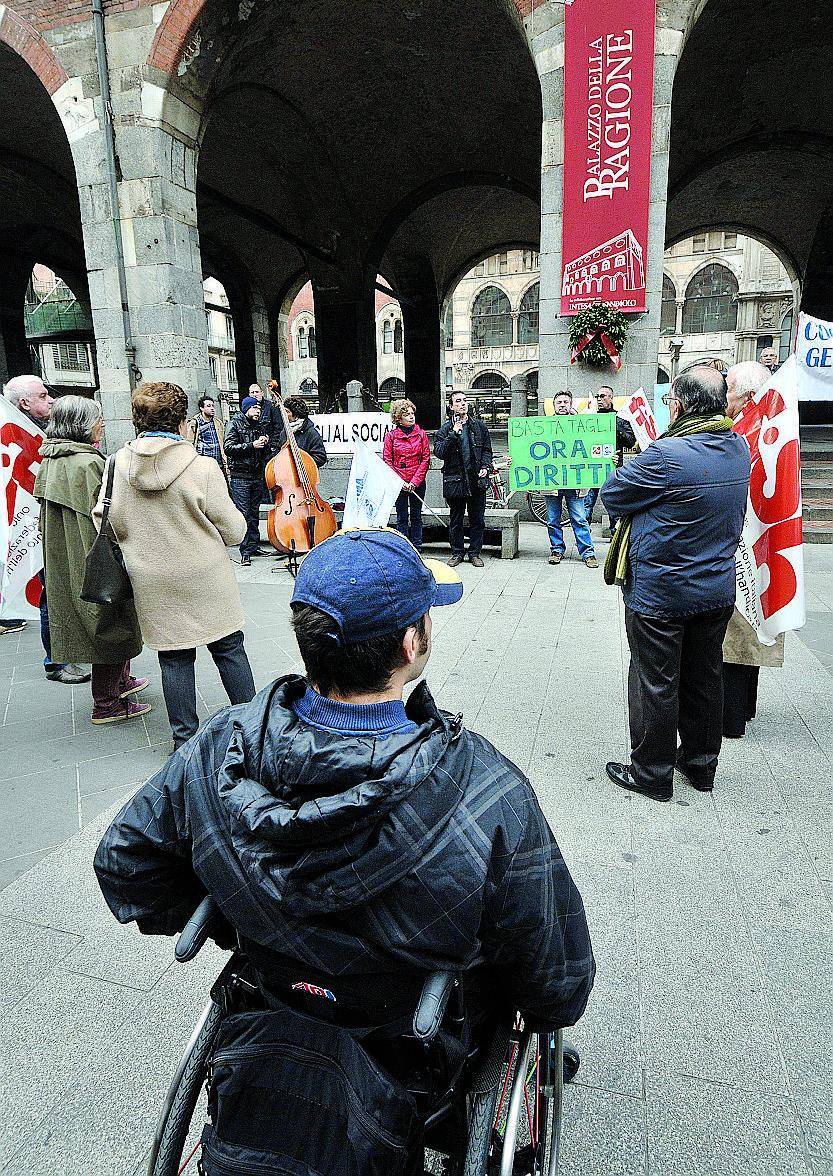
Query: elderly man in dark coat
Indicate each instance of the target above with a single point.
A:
(681, 506)
(67, 485)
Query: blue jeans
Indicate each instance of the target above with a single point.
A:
(246, 496)
(411, 504)
(48, 664)
(578, 521)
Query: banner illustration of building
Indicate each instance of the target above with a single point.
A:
(603, 272)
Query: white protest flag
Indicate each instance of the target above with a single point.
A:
(638, 413)
(770, 558)
(814, 356)
(372, 490)
(21, 552)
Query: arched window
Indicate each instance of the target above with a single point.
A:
(303, 347)
(710, 304)
(663, 376)
(491, 319)
(308, 388)
(490, 382)
(398, 346)
(448, 326)
(392, 388)
(528, 319)
(786, 344)
(313, 347)
(387, 337)
(532, 393)
(668, 316)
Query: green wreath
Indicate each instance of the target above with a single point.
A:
(590, 319)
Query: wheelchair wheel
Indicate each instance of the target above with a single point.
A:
(166, 1158)
(538, 507)
(515, 1128)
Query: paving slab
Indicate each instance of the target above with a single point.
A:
(706, 1046)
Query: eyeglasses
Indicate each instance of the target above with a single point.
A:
(667, 398)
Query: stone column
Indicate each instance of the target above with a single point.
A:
(158, 216)
(545, 28)
(518, 394)
(345, 333)
(417, 287)
(262, 341)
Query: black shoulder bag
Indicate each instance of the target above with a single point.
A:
(105, 578)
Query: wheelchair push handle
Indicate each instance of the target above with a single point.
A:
(430, 1011)
(196, 930)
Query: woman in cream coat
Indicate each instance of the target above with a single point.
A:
(173, 519)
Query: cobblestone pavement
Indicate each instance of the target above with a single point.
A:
(706, 1047)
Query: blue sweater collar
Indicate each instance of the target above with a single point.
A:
(374, 718)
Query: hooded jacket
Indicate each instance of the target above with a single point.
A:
(358, 857)
(67, 485)
(173, 519)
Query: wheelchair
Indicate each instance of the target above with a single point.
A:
(500, 1115)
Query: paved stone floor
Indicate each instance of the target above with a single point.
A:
(707, 1044)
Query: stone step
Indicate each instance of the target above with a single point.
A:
(817, 473)
(816, 433)
(818, 531)
(817, 491)
(818, 512)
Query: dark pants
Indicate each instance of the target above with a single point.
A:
(675, 684)
(409, 515)
(476, 508)
(179, 687)
(246, 495)
(48, 663)
(107, 685)
(740, 698)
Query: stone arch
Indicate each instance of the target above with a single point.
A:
(19, 35)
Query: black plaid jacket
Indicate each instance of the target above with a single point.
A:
(357, 856)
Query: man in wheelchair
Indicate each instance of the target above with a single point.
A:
(355, 844)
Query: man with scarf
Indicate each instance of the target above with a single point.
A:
(680, 506)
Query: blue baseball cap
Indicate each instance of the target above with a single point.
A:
(372, 583)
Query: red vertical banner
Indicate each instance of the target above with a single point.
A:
(608, 112)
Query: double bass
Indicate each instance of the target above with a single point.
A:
(300, 518)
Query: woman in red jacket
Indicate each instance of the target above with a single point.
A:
(408, 452)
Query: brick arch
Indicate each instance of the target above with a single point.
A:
(181, 16)
(19, 35)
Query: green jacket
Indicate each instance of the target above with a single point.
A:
(67, 485)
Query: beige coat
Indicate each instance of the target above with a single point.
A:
(742, 647)
(173, 519)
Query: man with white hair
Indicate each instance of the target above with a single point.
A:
(743, 654)
(31, 396)
(770, 359)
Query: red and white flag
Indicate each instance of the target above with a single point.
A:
(770, 559)
(640, 416)
(21, 551)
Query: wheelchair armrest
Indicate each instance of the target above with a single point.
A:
(196, 930)
(429, 1013)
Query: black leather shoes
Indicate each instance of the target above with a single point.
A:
(620, 774)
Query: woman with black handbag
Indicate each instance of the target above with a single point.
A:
(84, 629)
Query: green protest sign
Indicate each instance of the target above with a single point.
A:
(561, 452)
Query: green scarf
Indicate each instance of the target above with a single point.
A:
(616, 561)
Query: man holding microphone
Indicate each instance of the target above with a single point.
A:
(465, 447)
